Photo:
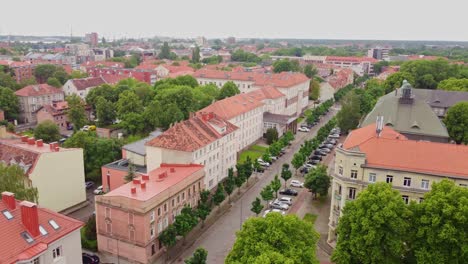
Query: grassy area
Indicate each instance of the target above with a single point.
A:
(29, 133)
(310, 218)
(254, 152)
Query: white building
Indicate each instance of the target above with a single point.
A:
(82, 87)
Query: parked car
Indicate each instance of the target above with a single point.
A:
(282, 152)
(286, 200)
(278, 205)
(263, 163)
(303, 129)
(90, 258)
(326, 150)
(335, 136)
(98, 190)
(296, 183)
(273, 211)
(310, 166)
(304, 170)
(274, 158)
(316, 157)
(331, 141)
(319, 152)
(289, 192)
(314, 162)
(89, 184)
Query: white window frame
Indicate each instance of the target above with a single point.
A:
(407, 181)
(425, 184)
(389, 177)
(353, 192)
(372, 177)
(405, 199)
(57, 252)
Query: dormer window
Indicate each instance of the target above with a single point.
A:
(26, 236)
(54, 224)
(42, 230)
(7, 214)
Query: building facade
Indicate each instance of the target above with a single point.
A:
(57, 113)
(36, 235)
(130, 218)
(411, 167)
(82, 87)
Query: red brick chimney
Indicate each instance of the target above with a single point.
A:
(39, 143)
(133, 190)
(145, 177)
(30, 217)
(172, 170)
(136, 181)
(31, 141)
(52, 146)
(24, 139)
(143, 185)
(9, 199)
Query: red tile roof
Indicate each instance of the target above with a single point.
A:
(233, 106)
(37, 90)
(283, 79)
(13, 248)
(351, 59)
(173, 174)
(267, 92)
(103, 64)
(82, 84)
(192, 134)
(390, 152)
(113, 78)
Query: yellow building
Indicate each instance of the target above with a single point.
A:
(368, 156)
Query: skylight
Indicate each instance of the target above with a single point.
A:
(27, 237)
(42, 230)
(54, 224)
(7, 214)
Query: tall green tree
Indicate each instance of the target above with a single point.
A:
(457, 122)
(43, 72)
(152, 115)
(128, 103)
(171, 115)
(9, 103)
(133, 123)
(286, 65)
(373, 228)
(271, 135)
(52, 81)
(318, 181)
(105, 112)
(196, 55)
(185, 221)
(310, 71)
(230, 183)
(314, 90)
(286, 174)
(219, 196)
(12, 179)
(257, 206)
(48, 131)
(275, 239)
(395, 81)
(275, 185)
(168, 237)
(267, 194)
(229, 89)
(298, 160)
(453, 84)
(440, 225)
(76, 111)
(165, 51)
(349, 115)
(199, 257)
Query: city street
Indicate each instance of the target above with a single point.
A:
(84, 213)
(220, 237)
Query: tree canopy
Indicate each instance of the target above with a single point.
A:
(318, 181)
(9, 102)
(274, 239)
(453, 84)
(350, 113)
(76, 111)
(48, 131)
(457, 122)
(229, 89)
(243, 56)
(12, 179)
(286, 65)
(199, 257)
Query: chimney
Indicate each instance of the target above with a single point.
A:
(31, 141)
(143, 185)
(135, 181)
(52, 146)
(56, 148)
(30, 217)
(24, 139)
(172, 170)
(9, 199)
(39, 143)
(133, 190)
(145, 177)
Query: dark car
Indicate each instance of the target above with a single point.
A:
(321, 153)
(89, 184)
(90, 259)
(314, 162)
(316, 157)
(304, 170)
(290, 192)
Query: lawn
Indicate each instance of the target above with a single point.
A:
(254, 152)
(310, 218)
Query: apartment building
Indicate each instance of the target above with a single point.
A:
(57, 113)
(32, 97)
(384, 155)
(35, 235)
(130, 218)
(360, 65)
(83, 86)
(57, 173)
(22, 70)
(205, 138)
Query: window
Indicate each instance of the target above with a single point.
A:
(36, 261)
(25, 235)
(178, 199)
(407, 182)
(352, 193)
(42, 230)
(7, 214)
(153, 249)
(425, 184)
(152, 216)
(340, 170)
(389, 178)
(421, 199)
(405, 199)
(57, 252)
(210, 183)
(183, 195)
(372, 177)
(160, 227)
(159, 211)
(108, 212)
(54, 224)
(173, 202)
(152, 233)
(109, 228)
(130, 218)
(132, 234)
(353, 174)
(165, 222)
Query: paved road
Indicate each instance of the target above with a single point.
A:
(220, 237)
(84, 213)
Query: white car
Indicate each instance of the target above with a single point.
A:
(263, 163)
(310, 166)
(85, 128)
(285, 200)
(295, 183)
(273, 211)
(98, 190)
(303, 129)
(273, 158)
(278, 205)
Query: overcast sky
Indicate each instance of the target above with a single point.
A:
(314, 19)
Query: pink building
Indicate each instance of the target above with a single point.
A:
(130, 218)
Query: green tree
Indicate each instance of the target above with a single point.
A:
(230, 183)
(61, 75)
(275, 239)
(152, 115)
(229, 89)
(243, 56)
(78, 75)
(271, 135)
(133, 123)
(373, 228)
(286, 65)
(48, 131)
(440, 225)
(203, 210)
(219, 196)
(131, 174)
(199, 257)
(286, 174)
(240, 179)
(90, 228)
(276, 185)
(298, 160)
(105, 112)
(128, 103)
(76, 111)
(185, 221)
(257, 206)
(43, 72)
(165, 51)
(350, 113)
(314, 90)
(168, 237)
(457, 122)
(9, 103)
(52, 81)
(196, 55)
(6, 80)
(395, 81)
(267, 194)
(12, 179)
(453, 84)
(310, 71)
(171, 115)
(318, 181)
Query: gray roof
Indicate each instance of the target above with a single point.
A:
(138, 147)
(278, 119)
(411, 118)
(441, 98)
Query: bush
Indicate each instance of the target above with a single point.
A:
(87, 244)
